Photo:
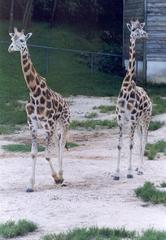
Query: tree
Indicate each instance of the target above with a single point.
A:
(27, 14)
(55, 3)
(11, 15)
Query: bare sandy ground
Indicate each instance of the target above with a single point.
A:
(91, 197)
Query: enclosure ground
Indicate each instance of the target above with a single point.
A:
(91, 197)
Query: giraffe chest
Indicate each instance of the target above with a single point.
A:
(46, 108)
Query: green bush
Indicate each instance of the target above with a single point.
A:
(152, 149)
(12, 229)
(149, 193)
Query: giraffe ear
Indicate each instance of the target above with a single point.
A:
(28, 36)
(142, 25)
(11, 35)
(129, 26)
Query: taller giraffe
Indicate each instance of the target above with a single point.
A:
(133, 104)
(45, 107)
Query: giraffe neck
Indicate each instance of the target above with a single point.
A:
(130, 75)
(30, 75)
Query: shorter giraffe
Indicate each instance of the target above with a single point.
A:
(45, 107)
(133, 104)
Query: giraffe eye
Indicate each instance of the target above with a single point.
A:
(21, 40)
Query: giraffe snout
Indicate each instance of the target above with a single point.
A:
(10, 49)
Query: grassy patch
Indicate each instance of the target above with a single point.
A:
(149, 193)
(159, 105)
(153, 235)
(92, 124)
(154, 125)
(152, 149)
(72, 144)
(105, 108)
(156, 89)
(20, 148)
(7, 129)
(12, 229)
(92, 234)
(91, 115)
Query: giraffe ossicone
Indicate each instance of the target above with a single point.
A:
(45, 107)
(133, 104)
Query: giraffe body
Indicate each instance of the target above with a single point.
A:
(45, 107)
(133, 105)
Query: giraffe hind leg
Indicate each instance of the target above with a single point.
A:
(48, 142)
(142, 132)
(117, 173)
(34, 150)
(130, 168)
(61, 142)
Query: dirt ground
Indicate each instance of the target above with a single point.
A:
(91, 197)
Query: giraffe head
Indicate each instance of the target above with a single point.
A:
(18, 40)
(136, 29)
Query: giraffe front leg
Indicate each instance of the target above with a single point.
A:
(117, 173)
(34, 151)
(48, 139)
(130, 168)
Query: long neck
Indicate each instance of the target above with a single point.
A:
(130, 75)
(31, 76)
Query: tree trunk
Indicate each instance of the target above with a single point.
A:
(27, 14)
(55, 3)
(11, 16)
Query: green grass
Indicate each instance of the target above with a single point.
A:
(149, 193)
(105, 108)
(8, 129)
(106, 234)
(12, 229)
(20, 148)
(154, 125)
(92, 234)
(156, 89)
(91, 115)
(27, 147)
(151, 150)
(159, 105)
(72, 145)
(153, 235)
(92, 124)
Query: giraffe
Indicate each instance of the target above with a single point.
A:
(133, 105)
(45, 108)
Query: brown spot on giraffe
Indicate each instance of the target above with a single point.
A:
(26, 68)
(42, 100)
(37, 92)
(30, 109)
(40, 110)
(30, 77)
(25, 61)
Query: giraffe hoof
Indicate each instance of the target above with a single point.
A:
(29, 190)
(140, 173)
(59, 181)
(129, 176)
(116, 178)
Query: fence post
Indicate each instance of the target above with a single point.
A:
(46, 60)
(91, 62)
